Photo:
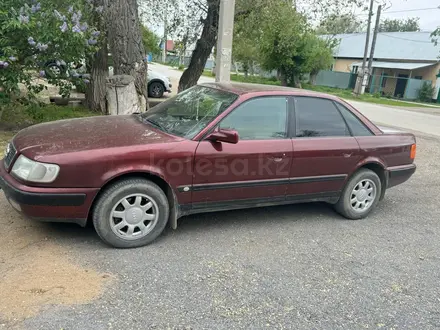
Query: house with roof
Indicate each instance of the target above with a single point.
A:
(398, 57)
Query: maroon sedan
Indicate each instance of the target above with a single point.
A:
(213, 147)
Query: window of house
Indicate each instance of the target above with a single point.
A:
(317, 117)
(259, 119)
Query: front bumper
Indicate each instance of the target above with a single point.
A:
(48, 204)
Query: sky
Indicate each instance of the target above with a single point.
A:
(429, 19)
(427, 10)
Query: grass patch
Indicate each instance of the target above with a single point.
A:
(20, 115)
(208, 73)
(5, 137)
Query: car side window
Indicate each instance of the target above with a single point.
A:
(316, 117)
(356, 126)
(263, 118)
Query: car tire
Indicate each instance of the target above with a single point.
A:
(119, 213)
(54, 70)
(360, 195)
(156, 90)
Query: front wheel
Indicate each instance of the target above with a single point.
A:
(131, 213)
(156, 90)
(360, 196)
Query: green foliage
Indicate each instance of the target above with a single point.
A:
(288, 44)
(35, 32)
(426, 92)
(435, 35)
(339, 24)
(20, 114)
(255, 80)
(151, 41)
(410, 24)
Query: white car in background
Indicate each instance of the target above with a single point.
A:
(158, 84)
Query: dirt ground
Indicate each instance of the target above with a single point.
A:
(36, 271)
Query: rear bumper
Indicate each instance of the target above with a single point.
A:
(399, 174)
(48, 204)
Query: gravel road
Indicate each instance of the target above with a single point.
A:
(290, 267)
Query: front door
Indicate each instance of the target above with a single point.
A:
(256, 169)
(401, 85)
(324, 152)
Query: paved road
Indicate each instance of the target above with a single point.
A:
(404, 118)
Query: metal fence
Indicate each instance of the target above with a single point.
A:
(396, 87)
(335, 79)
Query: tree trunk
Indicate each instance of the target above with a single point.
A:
(203, 48)
(97, 66)
(251, 68)
(246, 68)
(313, 76)
(236, 68)
(126, 45)
(96, 91)
(283, 77)
(297, 81)
(122, 95)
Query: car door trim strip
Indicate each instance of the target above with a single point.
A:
(261, 183)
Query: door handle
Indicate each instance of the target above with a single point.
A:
(278, 159)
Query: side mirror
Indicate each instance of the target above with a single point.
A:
(223, 135)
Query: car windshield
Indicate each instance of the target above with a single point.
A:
(187, 113)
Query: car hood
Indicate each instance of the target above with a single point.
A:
(74, 135)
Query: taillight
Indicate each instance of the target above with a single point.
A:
(413, 151)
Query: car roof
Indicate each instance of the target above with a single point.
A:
(246, 88)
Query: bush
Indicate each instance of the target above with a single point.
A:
(181, 67)
(426, 92)
(34, 34)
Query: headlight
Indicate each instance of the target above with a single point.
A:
(33, 171)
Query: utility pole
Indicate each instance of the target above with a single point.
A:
(363, 75)
(165, 37)
(373, 45)
(224, 42)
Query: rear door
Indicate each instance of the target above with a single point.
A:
(254, 170)
(324, 151)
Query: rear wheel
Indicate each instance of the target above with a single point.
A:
(131, 213)
(156, 89)
(360, 196)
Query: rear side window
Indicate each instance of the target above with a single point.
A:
(317, 117)
(356, 126)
